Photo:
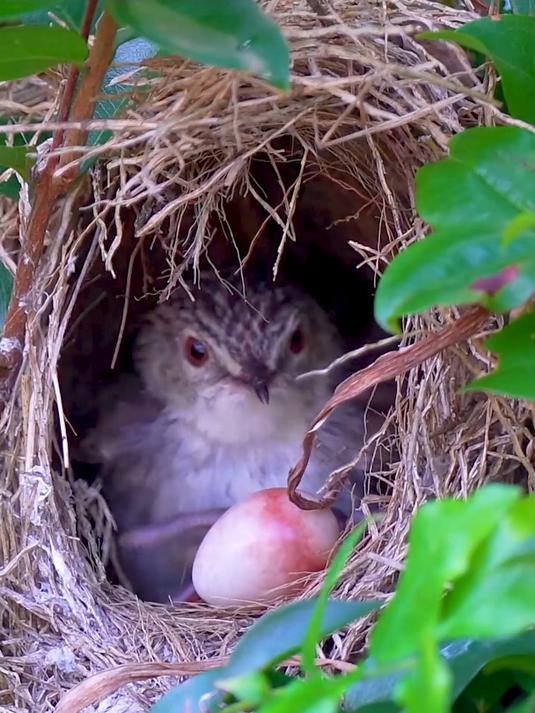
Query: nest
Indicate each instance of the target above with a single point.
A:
(207, 167)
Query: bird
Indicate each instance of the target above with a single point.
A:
(215, 411)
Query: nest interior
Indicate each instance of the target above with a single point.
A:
(208, 168)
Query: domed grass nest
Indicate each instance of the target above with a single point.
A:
(208, 168)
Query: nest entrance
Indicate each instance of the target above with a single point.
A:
(199, 175)
(293, 218)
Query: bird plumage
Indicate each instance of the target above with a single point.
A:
(214, 414)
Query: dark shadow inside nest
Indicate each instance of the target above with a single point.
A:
(331, 210)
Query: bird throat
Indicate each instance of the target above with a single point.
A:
(239, 417)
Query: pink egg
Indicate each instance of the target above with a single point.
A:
(264, 542)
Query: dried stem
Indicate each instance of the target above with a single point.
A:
(97, 687)
(48, 189)
(385, 368)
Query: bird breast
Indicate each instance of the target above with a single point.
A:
(203, 473)
(231, 414)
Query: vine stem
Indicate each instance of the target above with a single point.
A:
(384, 368)
(49, 188)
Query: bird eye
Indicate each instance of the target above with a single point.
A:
(297, 341)
(196, 352)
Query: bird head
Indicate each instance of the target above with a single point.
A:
(227, 362)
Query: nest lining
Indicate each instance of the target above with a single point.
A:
(369, 105)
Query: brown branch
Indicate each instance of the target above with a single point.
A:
(386, 367)
(48, 189)
(97, 64)
(70, 85)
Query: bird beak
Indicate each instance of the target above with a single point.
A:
(257, 376)
(261, 390)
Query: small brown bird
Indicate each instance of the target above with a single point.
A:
(215, 413)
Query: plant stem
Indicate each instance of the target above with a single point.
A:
(384, 368)
(49, 188)
(98, 62)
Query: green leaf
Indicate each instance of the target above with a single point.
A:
(71, 12)
(250, 688)
(30, 50)
(313, 634)
(520, 223)
(487, 177)
(523, 7)
(235, 34)
(6, 286)
(525, 706)
(280, 633)
(495, 597)
(509, 41)
(10, 159)
(383, 707)
(275, 636)
(467, 658)
(515, 375)
(186, 696)
(487, 689)
(428, 687)
(15, 157)
(443, 537)
(464, 658)
(470, 198)
(376, 686)
(15, 8)
(10, 188)
(311, 695)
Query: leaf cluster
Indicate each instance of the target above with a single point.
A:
(457, 636)
(480, 205)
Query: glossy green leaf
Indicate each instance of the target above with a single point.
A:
(30, 50)
(250, 688)
(70, 12)
(464, 658)
(376, 685)
(525, 706)
(495, 597)
(522, 667)
(442, 540)
(15, 157)
(187, 696)
(487, 177)
(470, 198)
(235, 34)
(383, 707)
(280, 633)
(523, 7)
(10, 188)
(427, 687)
(275, 636)
(10, 9)
(509, 41)
(515, 346)
(487, 689)
(6, 286)
(518, 226)
(312, 695)
(19, 159)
